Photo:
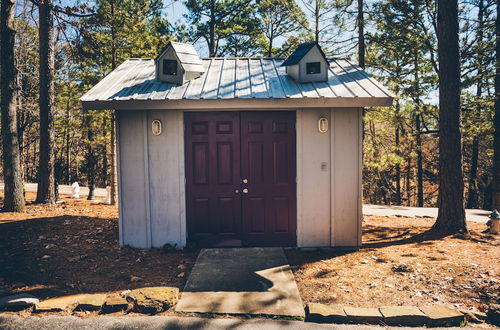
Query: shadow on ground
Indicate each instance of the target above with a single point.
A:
(73, 254)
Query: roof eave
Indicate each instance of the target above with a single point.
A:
(239, 103)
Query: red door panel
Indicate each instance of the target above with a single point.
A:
(268, 163)
(249, 152)
(213, 209)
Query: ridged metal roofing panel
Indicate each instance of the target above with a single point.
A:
(233, 78)
(227, 79)
(243, 89)
(211, 87)
(257, 80)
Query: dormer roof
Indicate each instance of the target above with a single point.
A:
(301, 51)
(186, 55)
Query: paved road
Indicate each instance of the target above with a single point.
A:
(381, 210)
(384, 210)
(8, 322)
(64, 189)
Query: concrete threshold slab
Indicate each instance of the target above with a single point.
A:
(256, 281)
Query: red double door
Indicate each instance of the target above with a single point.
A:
(241, 178)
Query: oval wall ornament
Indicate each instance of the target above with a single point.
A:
(323, 125)
(156, 127)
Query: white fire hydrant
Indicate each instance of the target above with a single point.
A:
(75, 190)
(494, 222)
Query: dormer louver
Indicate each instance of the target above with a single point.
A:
(178, 63)
(307, 63)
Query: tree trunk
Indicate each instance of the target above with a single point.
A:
(451, 214)
(418, 133)
(114, 176)
(472, 193)
(361, 34)
(473, 186)
(91, 160)
(270, 47)
(398, 169)
(46, 185)
(496, 142)
(13, 189)
(420, 176)
(68, 150)
(211, 39)
(316, 21)
(113, 169)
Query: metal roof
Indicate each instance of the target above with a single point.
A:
(300, 52)
(236, 79)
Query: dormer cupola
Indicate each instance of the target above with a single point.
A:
(307, 63)
(178, 63)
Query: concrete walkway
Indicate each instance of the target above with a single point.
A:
(255, 281)
(431, 212)
(9, 322)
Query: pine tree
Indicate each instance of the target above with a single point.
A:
(13, 190)
(496, 143)
(224, 25)
(280, 18)
(46, 180)
(451, 214)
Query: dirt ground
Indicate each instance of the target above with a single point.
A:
(401, 264)
(73, 247)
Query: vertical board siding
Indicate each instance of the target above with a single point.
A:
(345, 179)
(132, 184)
(314, 183)
(164, 180)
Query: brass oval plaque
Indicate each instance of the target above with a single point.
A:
(156, 127)
(323, 125)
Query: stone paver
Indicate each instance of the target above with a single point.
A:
(320, 313)
(17, 302)
(58, 304)
(255, 281)
(115, 304)
(363, 315)
(443, 315)
(154, 300)
(91, 302)
(403, 315)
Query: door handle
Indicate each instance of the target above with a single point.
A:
(237, 191)
(245, 191)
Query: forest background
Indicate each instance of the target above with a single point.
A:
(396, 40)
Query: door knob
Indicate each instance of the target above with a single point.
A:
(237, 191)
(245, 180)
(245, 191)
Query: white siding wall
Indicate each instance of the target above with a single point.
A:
(152, 212)
(329, 201)
(313, 182)
(132, 185)
(346, 178)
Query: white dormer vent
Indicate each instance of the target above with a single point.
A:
(178, 63)
(307, 63)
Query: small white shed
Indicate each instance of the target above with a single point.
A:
(239, 151)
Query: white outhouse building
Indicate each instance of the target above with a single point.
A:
(239, 151)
